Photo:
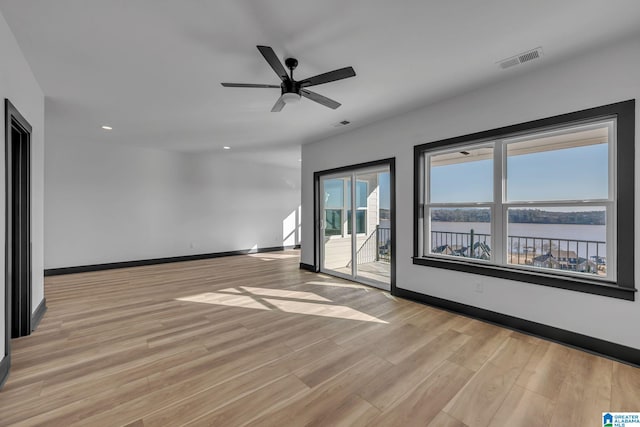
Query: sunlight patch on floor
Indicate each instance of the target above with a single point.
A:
(242, 301)
(279, 293)
(339, 285)
(265, 256)
(287, 301)
(326, 310)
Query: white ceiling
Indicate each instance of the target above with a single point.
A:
(152, 69)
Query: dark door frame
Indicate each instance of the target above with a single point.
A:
(391, 162)
(17, 229)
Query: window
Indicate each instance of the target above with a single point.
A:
(333, 220)
(361, 207)
(334, 205)
(541, 202)
(337, 203)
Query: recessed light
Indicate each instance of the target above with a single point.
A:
(226, 148)
(107, 128)
(342, 123)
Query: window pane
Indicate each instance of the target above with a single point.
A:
(567, 238)
(361, 221)
(462, 232)
(333, 193)
(462, 177)
(333, 222)
(361, 194)
(571, 166)
(384, 200)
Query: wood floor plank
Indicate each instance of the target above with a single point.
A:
(625, 389)
(393, 343)
(256, 340)
(251, 406)
(523, 408)
(329, 366)
(546, 370)
(385, 389)
(16, 396)
(80, 410)
(422, 404)
(351, 412)
(208, 400)
(483, 343)
(445, 420)
(585, 393)
(318, 403)
(479, 400)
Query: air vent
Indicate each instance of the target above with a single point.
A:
(521, 58)
(509, 63)
(529, 56)
(342, 123)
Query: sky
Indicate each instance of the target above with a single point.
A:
(578, 173)
(385, 196)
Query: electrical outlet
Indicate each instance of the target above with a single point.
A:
(479, 287)
(192, 245)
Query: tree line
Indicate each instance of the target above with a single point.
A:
(529, 216)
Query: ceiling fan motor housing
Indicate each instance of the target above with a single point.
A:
(290, 86)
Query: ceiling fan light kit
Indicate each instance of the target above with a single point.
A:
(292, 90)
(291, 98)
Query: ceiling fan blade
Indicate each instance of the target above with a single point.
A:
(327, 102)
(331, 76)
(249, 85)
(279, 105)
(275, 63)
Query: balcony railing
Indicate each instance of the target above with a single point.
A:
(384, 244)
(470, 245)
(377, 247)
(586, 256)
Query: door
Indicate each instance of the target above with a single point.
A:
(355, 225)
(337, 245)
(372, 216)
(18, 223)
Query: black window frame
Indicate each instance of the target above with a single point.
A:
(624, 287)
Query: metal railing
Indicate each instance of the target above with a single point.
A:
(377, 247)
(587, 256)
(470, 245)
(384, 244)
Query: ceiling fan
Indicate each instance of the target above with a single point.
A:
(293, 90)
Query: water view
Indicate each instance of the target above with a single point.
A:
(573, 247)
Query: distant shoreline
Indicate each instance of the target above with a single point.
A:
(521, 216)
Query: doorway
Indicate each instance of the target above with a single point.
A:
(18, 224)
(355, 217)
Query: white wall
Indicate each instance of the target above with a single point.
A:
(110, 203)
(18, 84)
(231, 202)
(605, 76)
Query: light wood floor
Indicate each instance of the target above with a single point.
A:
(253, 340)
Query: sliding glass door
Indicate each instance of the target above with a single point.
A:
(355, 226)
(337, 248)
